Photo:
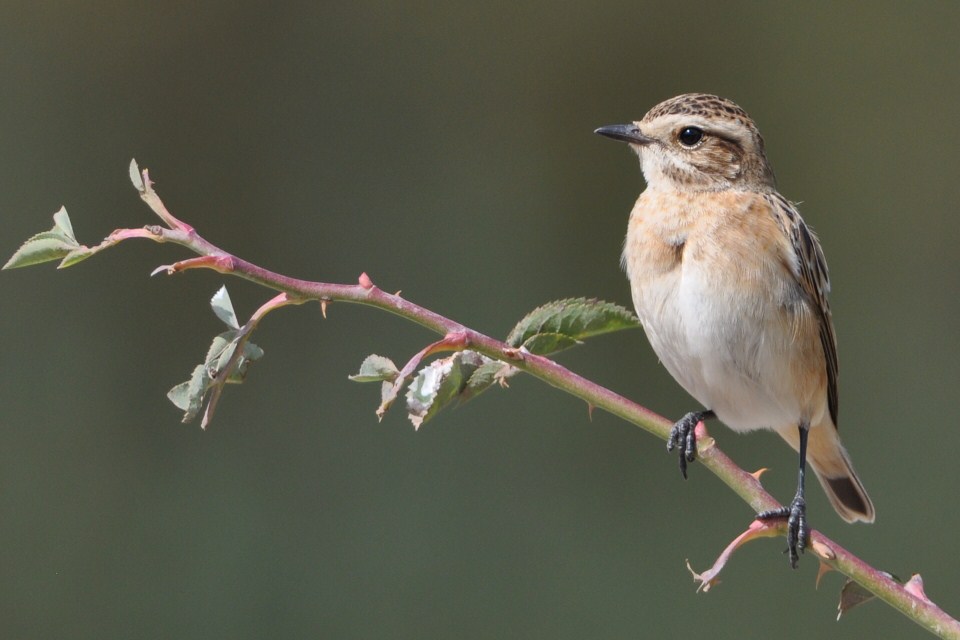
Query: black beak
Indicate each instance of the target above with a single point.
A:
(625, 133)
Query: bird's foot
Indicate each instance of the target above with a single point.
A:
(683, 437)
(798, 534)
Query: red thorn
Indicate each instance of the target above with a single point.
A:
(365, 281)
(822, 570)
(914, 586)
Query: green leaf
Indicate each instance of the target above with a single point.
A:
(440, 383)
(485, 376)
(251, 353)
(567, 322)
(191, 395)
(43, 247)
(188, 396)
(47, 246)
(220, 344)
(77, 255)
(61, 223)
(433, 388)
(543, 343)
(223, 307)
(376, 369)
(136, 178)
(388, 394)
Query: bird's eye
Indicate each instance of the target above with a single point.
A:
(690, 136)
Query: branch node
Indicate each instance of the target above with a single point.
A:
(514, 353)
(456, 339)
(914, 586)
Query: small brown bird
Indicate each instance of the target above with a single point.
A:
(731, 287)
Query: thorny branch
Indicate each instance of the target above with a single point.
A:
(907, 598)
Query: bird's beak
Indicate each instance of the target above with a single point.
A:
(625, 133)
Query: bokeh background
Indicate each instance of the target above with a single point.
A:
(446, 149)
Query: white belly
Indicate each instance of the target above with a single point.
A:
(722, 352)
(727, 346)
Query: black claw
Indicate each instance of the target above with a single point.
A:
(798, 533)
(683, 437)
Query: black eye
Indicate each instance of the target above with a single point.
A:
(690, 136)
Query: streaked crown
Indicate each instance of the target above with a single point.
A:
(698, 142)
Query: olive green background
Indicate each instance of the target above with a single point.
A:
(446, 150)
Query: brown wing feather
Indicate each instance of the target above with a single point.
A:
(814, 280)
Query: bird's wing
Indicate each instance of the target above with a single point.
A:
(812, 276)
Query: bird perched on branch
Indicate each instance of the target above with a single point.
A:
(731, 287)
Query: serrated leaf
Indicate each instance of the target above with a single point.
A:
(43, 247)
(206, 381)
(485, 376)
(388, 395)
(77, 255)
(376, 368)
(574, 318)
(222, 349)
(432, 389)
(135, 177)
(223, 358)
(440, 383)
(61, 222)
(223, 307)
(188, 396)
(251, 353)
(219, 344)
(543, 343)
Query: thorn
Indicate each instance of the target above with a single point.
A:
(398, 292)
(914, 586)
(590, 408)
(365, 281)
(759, 472)
(323, 308)
(823, 570)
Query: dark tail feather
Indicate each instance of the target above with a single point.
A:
(830, 462)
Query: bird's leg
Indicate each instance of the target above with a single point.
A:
(683, 437)
(797, 532)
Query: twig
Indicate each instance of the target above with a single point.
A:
(908, 599)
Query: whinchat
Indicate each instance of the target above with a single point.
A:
(731, 288)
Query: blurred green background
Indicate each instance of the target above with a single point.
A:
(446, 149)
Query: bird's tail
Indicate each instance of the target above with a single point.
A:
(830, 462)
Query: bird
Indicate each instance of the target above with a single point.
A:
(731, 287)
